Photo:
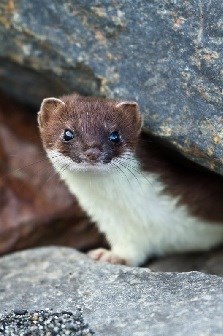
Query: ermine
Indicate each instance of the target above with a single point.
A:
(144, 198)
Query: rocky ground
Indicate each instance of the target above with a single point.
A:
(43, 322)
(114, 300)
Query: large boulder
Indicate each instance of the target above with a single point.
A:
(115, 300)
(165, 54)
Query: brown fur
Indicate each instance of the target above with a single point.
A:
(197, 187)
(92, 120)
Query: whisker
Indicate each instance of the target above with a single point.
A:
(54, 173)
(128, 157)
(141, 173)
(21, 168)
(40, 150)
(125, 166)
(113, 163)
(145, 140)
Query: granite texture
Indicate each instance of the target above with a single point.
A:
(165, 54)
(115, 300)
(20, 322)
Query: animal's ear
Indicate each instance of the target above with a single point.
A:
(47, 108)
(132, 108)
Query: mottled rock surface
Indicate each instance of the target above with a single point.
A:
(46, 322)
(165, 54)
(35, 207)
(115, 300)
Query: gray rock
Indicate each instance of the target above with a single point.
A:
(43, 323)
(209, 262)
(165, 54)
(115, 300)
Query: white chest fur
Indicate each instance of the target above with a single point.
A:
(137, 219)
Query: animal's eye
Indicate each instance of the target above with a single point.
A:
(115, 137)
(68, 135)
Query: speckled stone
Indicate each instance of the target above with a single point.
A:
(115, 300)
(43, 323)
(165, 54)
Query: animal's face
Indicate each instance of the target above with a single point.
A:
(88, 133)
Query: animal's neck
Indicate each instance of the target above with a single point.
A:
(114, 184)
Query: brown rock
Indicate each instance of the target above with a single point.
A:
(35, 207)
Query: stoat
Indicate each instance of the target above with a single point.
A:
(145, 199)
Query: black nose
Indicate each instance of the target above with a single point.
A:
(92, 153)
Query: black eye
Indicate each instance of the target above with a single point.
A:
(68, 135)
(115, 137)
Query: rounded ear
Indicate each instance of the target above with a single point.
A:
(48, 106)
(132, 108)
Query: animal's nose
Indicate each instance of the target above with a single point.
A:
(93, 153)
